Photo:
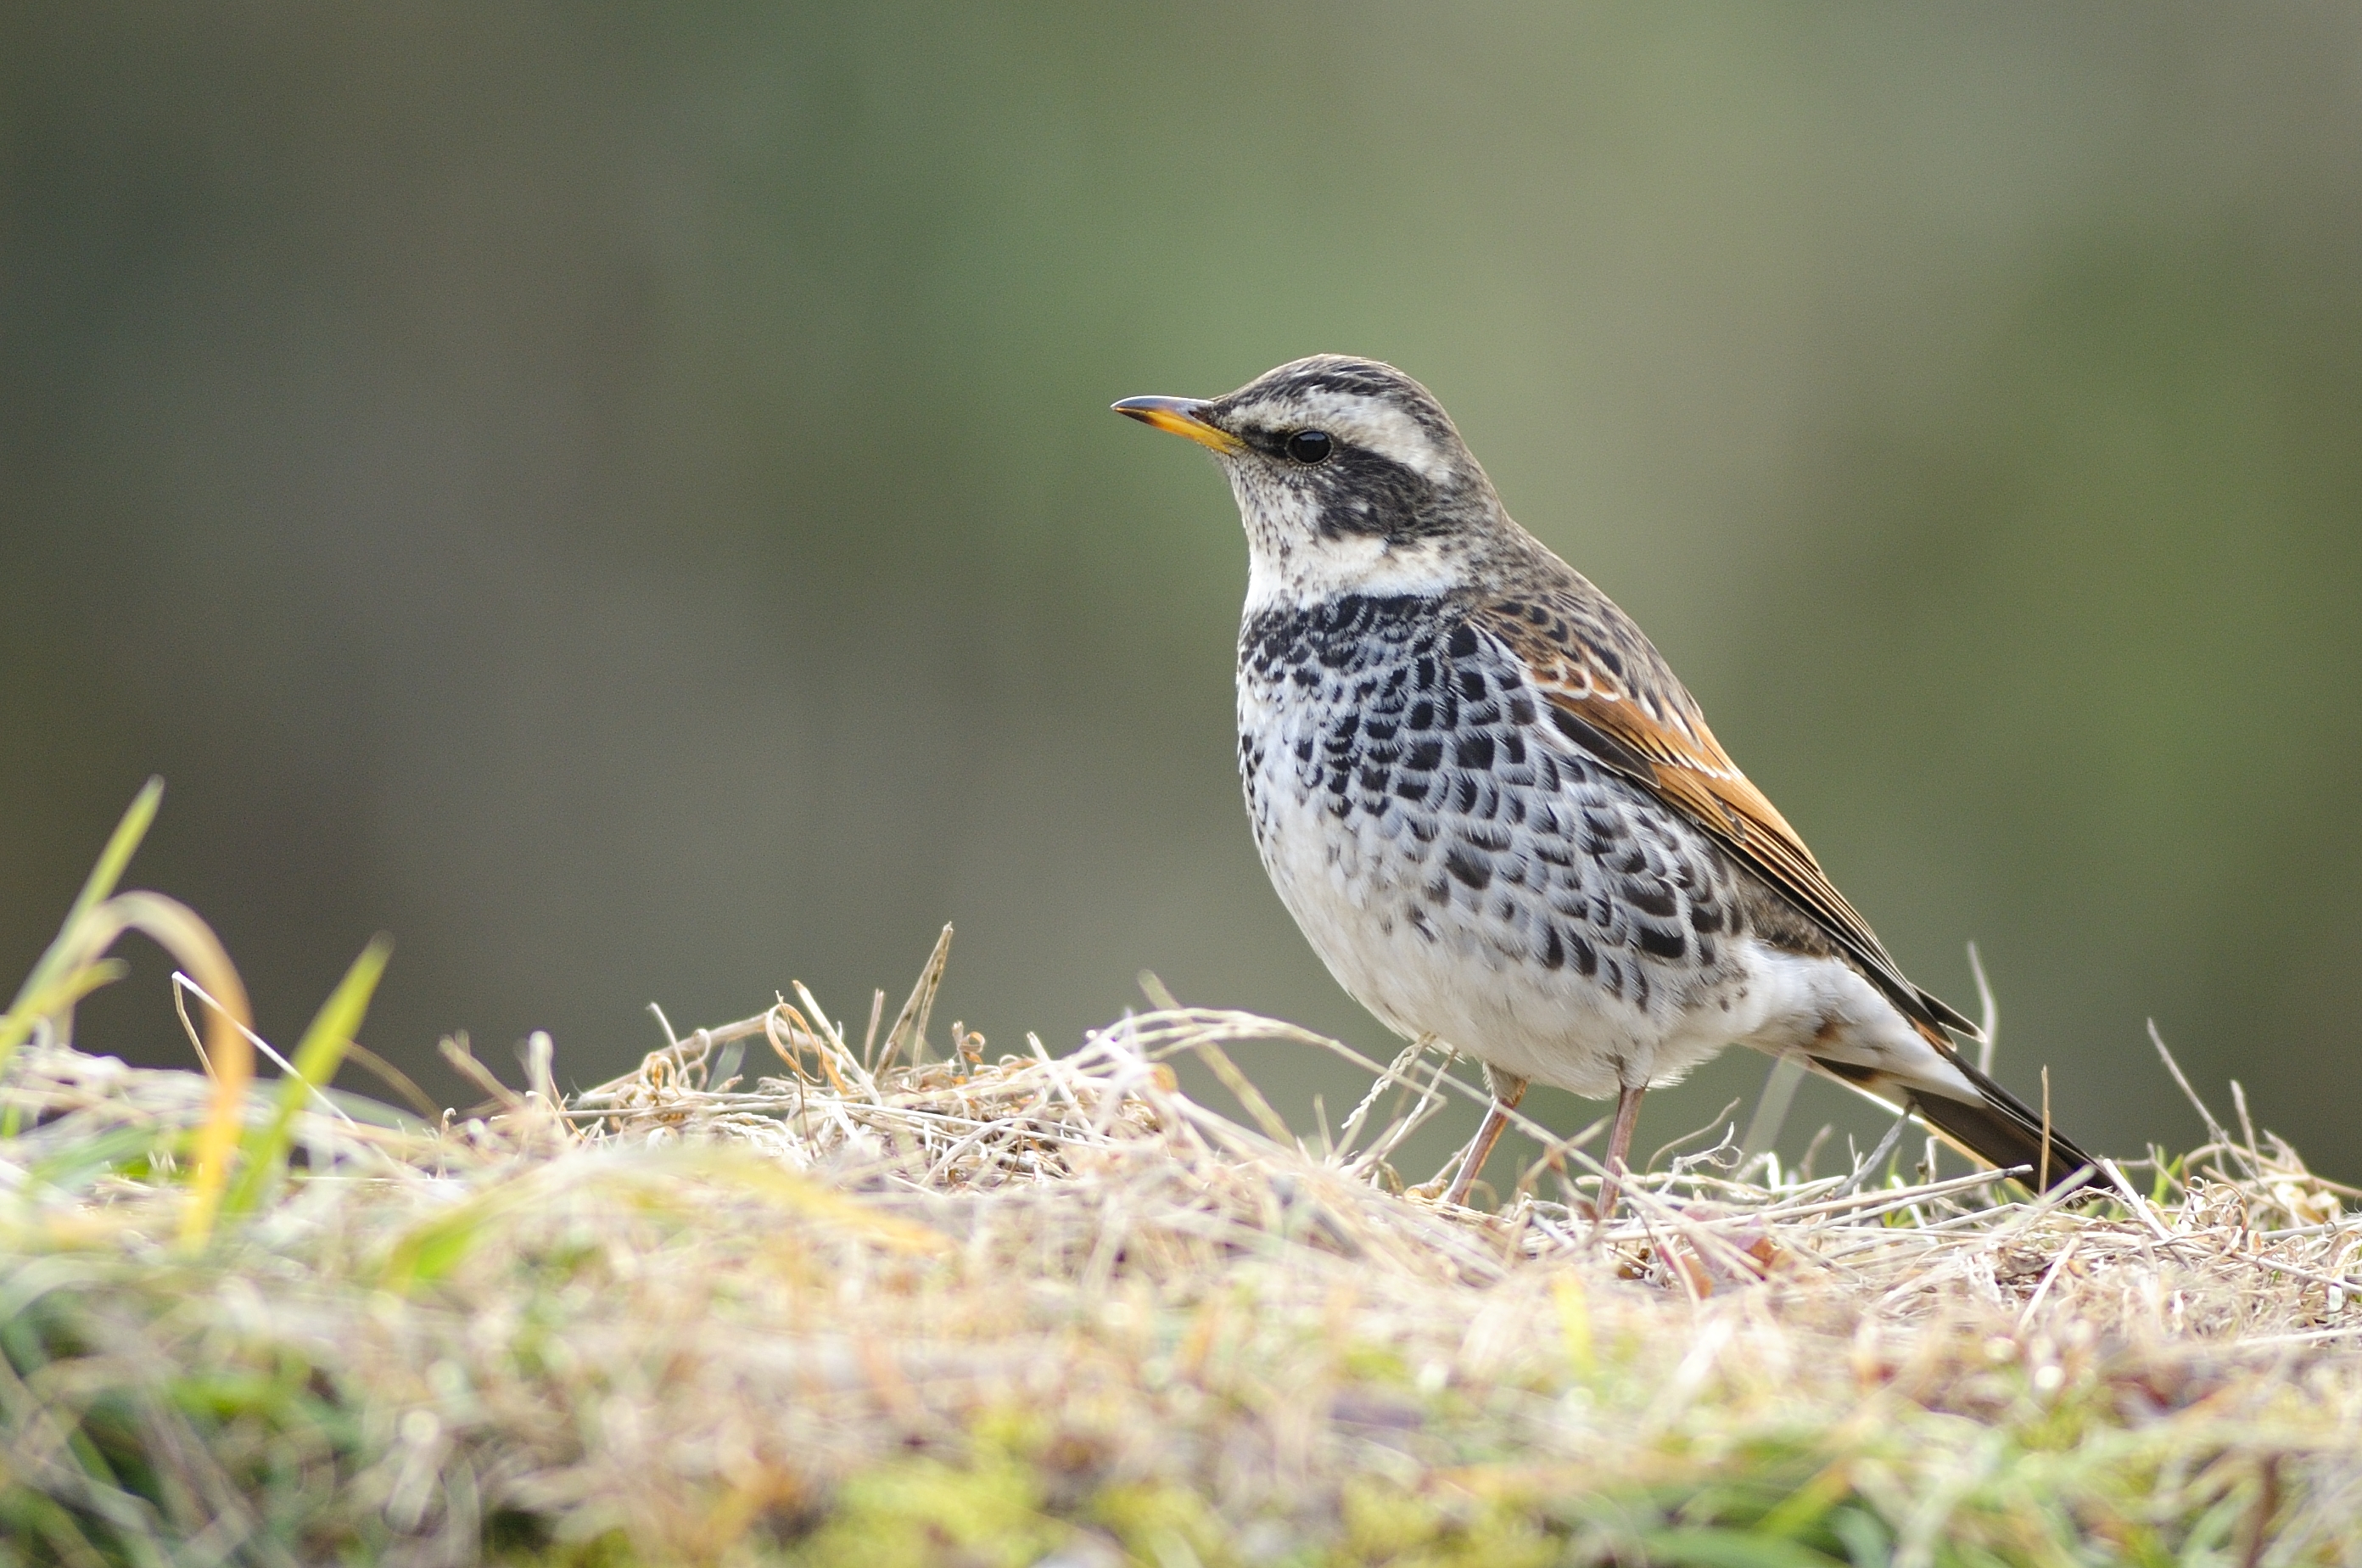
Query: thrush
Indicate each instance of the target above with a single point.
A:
(1497, 815)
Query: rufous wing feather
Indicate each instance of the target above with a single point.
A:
(1645, 726)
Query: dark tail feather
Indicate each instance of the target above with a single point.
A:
(2001, 1129)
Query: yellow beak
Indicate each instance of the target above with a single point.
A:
(1182, 416)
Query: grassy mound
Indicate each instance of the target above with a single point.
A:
(869, 1308)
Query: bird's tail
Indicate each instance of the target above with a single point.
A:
(2001, 1129)
(1997, 1127)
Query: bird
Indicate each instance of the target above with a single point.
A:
(1499, 816)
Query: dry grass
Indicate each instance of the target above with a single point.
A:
(1017, 1308)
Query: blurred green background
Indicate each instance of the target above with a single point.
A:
(622, 496)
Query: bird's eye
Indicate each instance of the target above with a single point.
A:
(1309, 447)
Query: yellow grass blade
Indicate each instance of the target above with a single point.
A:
(176, 928)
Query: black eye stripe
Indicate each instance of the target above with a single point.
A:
(1309, 447)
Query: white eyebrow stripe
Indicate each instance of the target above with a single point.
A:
(1356, 419)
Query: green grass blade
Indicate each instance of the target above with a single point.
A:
(317, 1058)
(74, 1168)
(96, 889)
(427, 1252)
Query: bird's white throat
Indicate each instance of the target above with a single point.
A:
(1290, 563)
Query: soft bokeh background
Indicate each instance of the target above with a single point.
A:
(622, 496)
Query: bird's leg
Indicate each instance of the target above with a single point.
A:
(1508, 1089)
(1619, 1146)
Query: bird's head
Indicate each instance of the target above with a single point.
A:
(1348, 475)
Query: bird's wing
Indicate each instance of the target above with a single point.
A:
(1612, 693)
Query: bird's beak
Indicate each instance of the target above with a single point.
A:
(1182, 416)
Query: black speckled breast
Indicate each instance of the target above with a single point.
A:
(1450, 809)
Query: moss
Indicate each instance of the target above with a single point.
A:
(920, 1512)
